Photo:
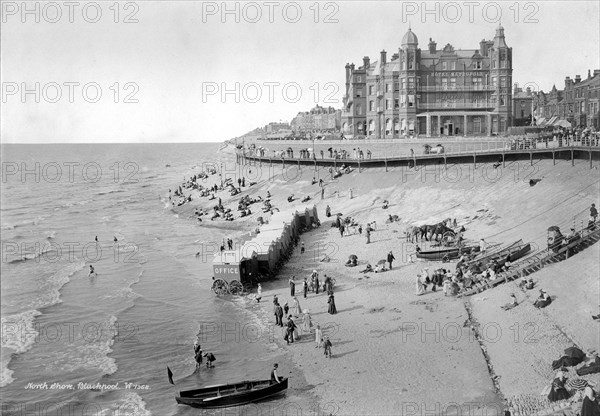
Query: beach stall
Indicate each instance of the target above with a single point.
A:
(233, 269)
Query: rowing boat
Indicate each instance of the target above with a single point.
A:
(235, 394)
(485, 258)
(446, 253)
(511, 253)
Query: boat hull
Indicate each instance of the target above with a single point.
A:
(449, 254)
(231, 394)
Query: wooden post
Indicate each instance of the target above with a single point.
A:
(591, 159)
(386, 163)
(530, 158)
(474, 161)
(572, 158)
(553, 158)
(445, 167)
(503, 165)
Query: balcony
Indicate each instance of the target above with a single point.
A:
(440, 105)
(451, 88)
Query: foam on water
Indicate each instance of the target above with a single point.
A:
(52, 286)
(18, 336)
(131, 404)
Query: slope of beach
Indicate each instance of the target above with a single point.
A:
(395, 352)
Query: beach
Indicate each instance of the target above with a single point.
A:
(398, 353)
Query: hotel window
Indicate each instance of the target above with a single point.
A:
(493, 64)
(444, 66)
(396, 127)
(503, 64)
(452, 84)
(478, 65)
(371, 127)
(410, 61)
(477, 82)
(494, 81)
(453, 65)
(503, 82)
(358, 78)
(387, 105)
(444, 83)
(403, 101)
(370, 90)
(411, 100)
(411, 83)
(359, 92)
(403, 83)
(477, 125)
(388, 87)
(396, 86)
(359, 110)
(502, 100)
(583, 107)
(388, 126)
(371, 106)
(396, 103)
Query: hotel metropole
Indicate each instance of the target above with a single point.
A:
(432, 92)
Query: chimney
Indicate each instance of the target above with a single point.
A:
(396, 56)
(483, 47)
(577, 78)
(596, 72)
(589, 74)
(383, 57)
(432, 46)
(528, 91)
(366, 62)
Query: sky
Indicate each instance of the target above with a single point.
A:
(192, 71)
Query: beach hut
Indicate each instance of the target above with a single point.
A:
(232, 270)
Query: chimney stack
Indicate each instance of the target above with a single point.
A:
(432, 46)
(589, 74)
(383, 57)
(596, 72)
(366, 62)
(483, 47)
(577, 78)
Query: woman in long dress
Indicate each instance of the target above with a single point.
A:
(331, 301)
(419, 286)
(297, 310)
(306, 322)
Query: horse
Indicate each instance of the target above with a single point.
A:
(412, 234)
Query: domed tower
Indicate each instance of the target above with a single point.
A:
(501, 72)
(409, 56)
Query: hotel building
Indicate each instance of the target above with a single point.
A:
(432, 92)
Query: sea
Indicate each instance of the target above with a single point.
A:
(100, 344)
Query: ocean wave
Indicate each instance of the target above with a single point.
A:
(55, 283)
(18, 336)
(35, 255)
(35, 221)
(132, 404)
(115, 191)
(91, 354)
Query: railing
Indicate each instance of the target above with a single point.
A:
(442, 88)
(448, 105)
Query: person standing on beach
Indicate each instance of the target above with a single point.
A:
(318, 336)
(327, 347)
(259, 293)
(305, 287)
(297, 309)
(390, 258)
(322, 193)
(278, 315)
(593, 213)
(302, 248)
(306, 322)
(327, 211)
(332, 309)
(316, 284)
(96, 239)
(342, 230)
(482, 246)
(274, 376)
(368, 234)
(292, 286)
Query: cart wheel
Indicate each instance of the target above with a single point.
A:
(220, 287)
(235, 287)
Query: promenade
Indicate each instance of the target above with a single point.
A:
(454, 153)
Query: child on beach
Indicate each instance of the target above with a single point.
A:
(327, 346)
(318, 336)
(259, 293)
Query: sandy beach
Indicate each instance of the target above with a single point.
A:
(415, 354)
